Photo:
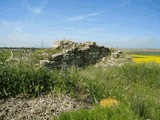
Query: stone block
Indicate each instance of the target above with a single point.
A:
(44, 63)
(56, 57)
(55, 63)
(78, 61)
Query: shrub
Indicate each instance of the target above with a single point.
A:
(17, 79)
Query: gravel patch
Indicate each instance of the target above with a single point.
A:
(40, 108)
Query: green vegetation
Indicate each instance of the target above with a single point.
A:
(155, 53)
(99, 113)
(4, 55)
(18, 79)
(135, 86)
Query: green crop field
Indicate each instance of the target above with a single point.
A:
(144, 52)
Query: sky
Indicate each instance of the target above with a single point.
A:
(111, 23)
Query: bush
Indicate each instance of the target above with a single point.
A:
(17, 79)
(25, 79)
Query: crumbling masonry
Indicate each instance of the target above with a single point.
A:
(76, 54)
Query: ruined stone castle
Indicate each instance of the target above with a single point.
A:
(76, 54)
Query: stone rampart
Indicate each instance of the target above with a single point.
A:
(76, 54)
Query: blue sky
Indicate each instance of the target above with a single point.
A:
(113, 23)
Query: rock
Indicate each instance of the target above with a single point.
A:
(120, 52)
(116, 55)
(64, 44)
(90, 44)
(55, 63)
(56, 57)
(44, 63)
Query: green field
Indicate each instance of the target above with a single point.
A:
(144, 52)
(135, 86)
(4, 54)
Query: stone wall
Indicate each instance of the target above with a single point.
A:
(77, 54)
(116, 54)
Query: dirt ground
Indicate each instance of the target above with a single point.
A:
(40, 108)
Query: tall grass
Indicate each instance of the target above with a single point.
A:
(135, 86)
(25, 79)
(146, 73)
(100, 113)
(4, 55)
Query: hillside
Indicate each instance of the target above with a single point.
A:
(31, 91)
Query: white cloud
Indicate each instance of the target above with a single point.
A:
(129, 42)
(19, 38)
(92, 14)
(26, 34)
(87, 17)
(1, 24)
(15, 35)
(124, 3)
(38, 9)
(18, 29)
(77, 18)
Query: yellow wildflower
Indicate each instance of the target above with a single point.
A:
(108, 102)
(145, 58)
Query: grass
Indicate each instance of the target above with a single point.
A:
(4, 55)
(135, 86)
(100, 113)
(24, 79)
(145, 52)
